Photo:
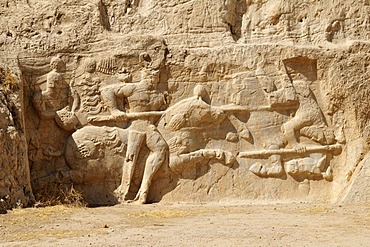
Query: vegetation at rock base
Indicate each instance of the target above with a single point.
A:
(8, 82)
(59, 194)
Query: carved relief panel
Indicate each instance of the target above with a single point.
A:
(116, 126)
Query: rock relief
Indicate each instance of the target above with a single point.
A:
(246, 99)
(121, 125)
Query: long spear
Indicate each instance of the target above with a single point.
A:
(225, 108)
(132, 115)
(310, 149)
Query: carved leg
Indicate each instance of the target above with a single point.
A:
(240, 127)
(290, 127)
(227, 157)
(159, 154)
(321, 163)
(328, 174)
(183, 162)
(135, 141)
(275, 168)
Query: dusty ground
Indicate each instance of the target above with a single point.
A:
(227, 224)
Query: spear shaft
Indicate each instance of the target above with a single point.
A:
(311, 149)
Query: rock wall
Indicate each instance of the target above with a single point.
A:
(15, 188)
(189, 101)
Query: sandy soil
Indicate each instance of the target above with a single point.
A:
(226, 224)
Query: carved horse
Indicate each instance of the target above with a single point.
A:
(94, 153)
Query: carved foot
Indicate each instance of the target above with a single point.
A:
(259, 170)
(245, 134)
(232, 137)
(274, 171)
(139, 199)
(121, 194)
(328, 175)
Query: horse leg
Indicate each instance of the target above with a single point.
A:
(135, 141)
(158, 155)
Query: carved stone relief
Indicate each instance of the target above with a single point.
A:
(227, 99)
(123, 127)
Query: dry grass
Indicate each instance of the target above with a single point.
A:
(36, 223)
(191, 212)
(59, 194)
(8, 82)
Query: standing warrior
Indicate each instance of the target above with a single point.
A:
(140, 97)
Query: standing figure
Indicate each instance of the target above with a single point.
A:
(141, 97)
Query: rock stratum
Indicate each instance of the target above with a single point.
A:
(185, 101)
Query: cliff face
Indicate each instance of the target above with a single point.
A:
(15, 189)
(186, 100)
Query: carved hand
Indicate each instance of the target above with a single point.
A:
(299, 148)
(119, 115)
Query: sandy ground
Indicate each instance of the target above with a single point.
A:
(226, 224)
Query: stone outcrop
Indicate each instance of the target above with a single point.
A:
(142, 100)
(15, 189)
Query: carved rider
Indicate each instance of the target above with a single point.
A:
(308, 121)
(185, 124)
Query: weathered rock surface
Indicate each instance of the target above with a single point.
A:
(188, 100)
(15, 189)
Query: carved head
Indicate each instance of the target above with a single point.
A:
(200, 91)
(90, 65)
(56, 63)
(155, 55)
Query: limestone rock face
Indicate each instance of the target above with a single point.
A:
(15, 189)
(150, 100)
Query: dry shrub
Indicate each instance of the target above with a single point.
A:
(8, 82)
(59, 194)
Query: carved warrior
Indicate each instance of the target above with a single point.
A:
(179, 127)
(143, 105)
(176, 137)
(308, 121)
(140, 97)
